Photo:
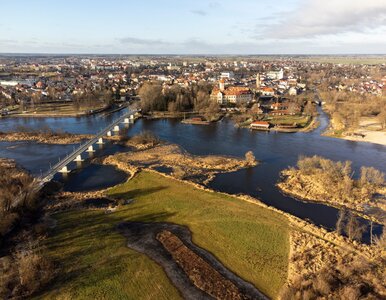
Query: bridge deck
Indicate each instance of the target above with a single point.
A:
(83, 147)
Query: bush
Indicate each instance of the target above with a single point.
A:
(24, 274)
(145, 138)
(250, 158)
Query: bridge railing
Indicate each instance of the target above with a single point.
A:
(81, 148)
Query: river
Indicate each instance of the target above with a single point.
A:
(276, 151)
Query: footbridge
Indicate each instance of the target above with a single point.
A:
(76, 155)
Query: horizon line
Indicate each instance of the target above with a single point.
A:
(197, 54)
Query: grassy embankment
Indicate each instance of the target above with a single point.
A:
(301, 121)
(250, 240)
(55, 109)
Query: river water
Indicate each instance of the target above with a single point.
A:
(276, 151)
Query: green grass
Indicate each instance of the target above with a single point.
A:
(250, 240)
(302, 121)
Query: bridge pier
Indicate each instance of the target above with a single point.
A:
(131, 118)
(116, 128)
(100, 141)
(126, 121)
(108, 133)
(90, 149)
(64, 170)
(78, 158)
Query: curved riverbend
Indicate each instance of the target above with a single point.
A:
(275, 150)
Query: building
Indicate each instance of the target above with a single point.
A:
(227, 75)
(232, 94)
(292, 91)
(275, 74)
(267, 91)
(259, 125)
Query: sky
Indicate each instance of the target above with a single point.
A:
(193, 27)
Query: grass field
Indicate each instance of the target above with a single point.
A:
(95, 263)
(57, 109)
(302, 121)
(346, 60)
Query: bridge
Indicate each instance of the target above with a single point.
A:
(61, 166)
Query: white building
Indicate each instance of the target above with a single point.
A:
(228, 75)
(275, 74)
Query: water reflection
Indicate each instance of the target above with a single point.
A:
(276, 151)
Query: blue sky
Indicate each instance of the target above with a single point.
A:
(193, 27)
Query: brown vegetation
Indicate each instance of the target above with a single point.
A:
(174, 99)
(143, 140)
(321, 270)
(183, 164)
(200, 272)
(23, 270)
(46, 136)
(319, 179)
(347, 109)
(17, 195)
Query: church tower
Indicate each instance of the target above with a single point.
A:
(222, 85)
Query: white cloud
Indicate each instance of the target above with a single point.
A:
(198, 12)
(142, 42)
(325, 17)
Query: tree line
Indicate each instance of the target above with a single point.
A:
(175, 98)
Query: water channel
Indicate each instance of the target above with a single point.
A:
(276, 151)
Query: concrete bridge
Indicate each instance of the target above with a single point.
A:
(76, 155)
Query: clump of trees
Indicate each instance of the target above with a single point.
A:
(250, 158)
(174, 98)
(145, 138)
(93, 98)
(17, 195)
(22, 269)
(24, 273)
(356, 279)
(336, 180)
(346, 108)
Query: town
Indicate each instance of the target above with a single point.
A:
(257, 92)
(176, 150)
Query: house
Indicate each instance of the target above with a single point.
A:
(259, 125)
(292, 91)
(228, 75)
(267, 91)
(232, 94)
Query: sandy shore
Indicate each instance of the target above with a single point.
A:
(375, 137)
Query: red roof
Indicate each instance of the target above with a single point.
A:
(260, 123)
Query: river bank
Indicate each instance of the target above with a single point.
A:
(369, 131)
(317, 179)
(213, 218)
(44, 138)
(365, 136)
(175, 160)
(322, 247)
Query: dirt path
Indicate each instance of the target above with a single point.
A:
(206, 279)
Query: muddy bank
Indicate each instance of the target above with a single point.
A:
(182, 164)
(196, 273)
